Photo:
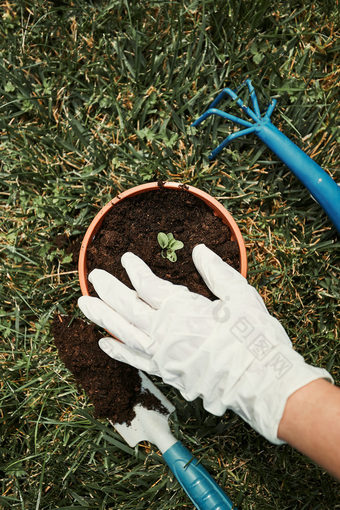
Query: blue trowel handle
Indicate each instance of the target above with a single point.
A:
(317, 181)
(195, 480)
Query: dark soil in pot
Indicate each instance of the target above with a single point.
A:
(132, 225)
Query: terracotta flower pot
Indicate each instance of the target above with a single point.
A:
(218, 209)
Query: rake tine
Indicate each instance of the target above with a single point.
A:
(270, 108)
(231, 137)
(253, 98)
(228, 92)
(220, 113)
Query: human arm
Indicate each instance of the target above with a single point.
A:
(311, 424)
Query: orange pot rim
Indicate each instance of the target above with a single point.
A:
(218, 209)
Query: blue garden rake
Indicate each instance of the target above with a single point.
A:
(317, 181)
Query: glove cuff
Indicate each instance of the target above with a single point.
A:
(272, 383)
(269, 412)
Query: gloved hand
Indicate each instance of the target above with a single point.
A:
(231, 351)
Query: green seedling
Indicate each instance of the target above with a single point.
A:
(169, 246)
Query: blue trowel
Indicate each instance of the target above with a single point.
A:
(151, 425)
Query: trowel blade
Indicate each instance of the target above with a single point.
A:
(147, 425)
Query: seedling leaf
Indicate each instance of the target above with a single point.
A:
(162, 240)
(176, 245)
(171, 255)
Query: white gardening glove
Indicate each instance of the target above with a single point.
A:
(231, 352)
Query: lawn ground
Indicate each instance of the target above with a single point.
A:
(97, 97)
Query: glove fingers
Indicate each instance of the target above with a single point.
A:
(152, 289)
(104, 316)
(126, 354)
(122, 299)
(220, 277)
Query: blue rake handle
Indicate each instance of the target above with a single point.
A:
(195, 480)
(321, 186)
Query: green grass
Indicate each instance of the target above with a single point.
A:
(97, 97)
